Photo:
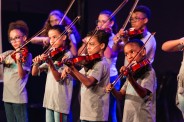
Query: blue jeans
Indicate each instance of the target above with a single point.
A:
(16, 112)
(53, 116)
(113, 101)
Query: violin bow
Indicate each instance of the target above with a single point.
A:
(121, 74)
(110, 17)
(66, 12)
(130, 14)
(64, 32)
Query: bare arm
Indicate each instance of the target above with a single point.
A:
(142, 92)
(108, 52)
(40, 40)
(55, 73)
(117, 94)
(87, 81)
(172, 45)
(35, 68)
(21, 71)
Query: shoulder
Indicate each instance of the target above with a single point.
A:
(102, 64)
(150, 73)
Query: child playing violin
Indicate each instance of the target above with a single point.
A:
(58, 93)
(54, 18)
(94, 100)
(17, 65)
(139, 20)
(140, 86)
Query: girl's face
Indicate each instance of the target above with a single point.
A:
(103, 21)
(54, 20)
(55, 39)
(131, 50)
(93, 46)
(16, 38)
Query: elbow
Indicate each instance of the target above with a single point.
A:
(21, 76)
(163, 48)
(34, 73)
(88, 85)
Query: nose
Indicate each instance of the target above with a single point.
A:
(129, 57)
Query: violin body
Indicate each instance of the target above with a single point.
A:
(87, 60)
(24, 53)
(57, 53)
(132, 33)
(140, 68)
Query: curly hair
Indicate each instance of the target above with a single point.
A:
(19, 25)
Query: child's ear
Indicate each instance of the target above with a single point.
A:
(64, 37)
(24, 38)
(143, 53)
(146, 20)
(102, 46)
(112, 23)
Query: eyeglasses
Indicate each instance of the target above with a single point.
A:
(15, 39)
(136, 19)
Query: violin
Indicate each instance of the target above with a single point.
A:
(24, 53)
(56, 53)
(82, 60)
(131, 33)
(135, 68)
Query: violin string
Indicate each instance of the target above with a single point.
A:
(120, 76)
(110, 17)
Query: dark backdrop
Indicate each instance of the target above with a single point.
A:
(167, 21)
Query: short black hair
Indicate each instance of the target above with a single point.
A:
(137, 41)
(101, 35)
(143, 9)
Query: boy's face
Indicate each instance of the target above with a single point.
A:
(138, 20)
(103, 21)
(93, 46)
(131, 50)
(54, 20)
(55, 41)
(16, 38)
